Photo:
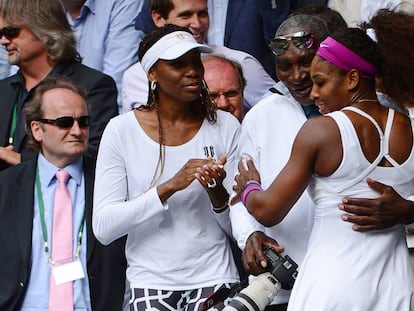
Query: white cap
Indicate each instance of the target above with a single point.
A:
(171, 46)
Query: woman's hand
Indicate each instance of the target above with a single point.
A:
(212, 174)
(182, 179)
(247, 172)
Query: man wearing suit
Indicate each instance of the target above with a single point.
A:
(57, 119)
(251, 24)
(43, 45)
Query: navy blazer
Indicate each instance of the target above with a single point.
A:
(251, 24)
(106, 265)
(101, 97)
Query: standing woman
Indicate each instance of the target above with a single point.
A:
(358, 138)
(152, 182)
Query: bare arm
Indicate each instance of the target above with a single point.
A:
(382, 212)
(271, 206)
(317, 149)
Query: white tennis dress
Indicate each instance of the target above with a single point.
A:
(345, 270)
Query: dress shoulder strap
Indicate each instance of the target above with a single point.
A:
(384, 146)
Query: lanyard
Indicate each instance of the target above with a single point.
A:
(13, 124)
(43, 222)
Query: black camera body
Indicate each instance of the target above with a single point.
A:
(281, 273)
(284, 269)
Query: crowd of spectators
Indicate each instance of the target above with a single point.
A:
(160, 99)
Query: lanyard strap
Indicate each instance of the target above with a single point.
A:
(13, 124)
(43, 222)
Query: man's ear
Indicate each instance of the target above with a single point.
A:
(37, 130)
(353, 79)
(158, 20)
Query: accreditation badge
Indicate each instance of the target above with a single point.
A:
(67, 271)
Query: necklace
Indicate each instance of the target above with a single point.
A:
(367, 100)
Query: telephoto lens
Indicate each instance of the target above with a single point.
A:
(282, 272)
(257, 295)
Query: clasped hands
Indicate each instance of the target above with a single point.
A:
(212, 173)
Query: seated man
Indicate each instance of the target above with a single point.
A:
(36, 209)
(39, 53)
(226, 82)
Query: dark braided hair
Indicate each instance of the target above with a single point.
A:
(208, 107)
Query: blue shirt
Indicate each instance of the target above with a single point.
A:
(4, 64)
(217, 11)
(37, 295)
(107, 39)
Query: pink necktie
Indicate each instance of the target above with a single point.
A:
(61, 296)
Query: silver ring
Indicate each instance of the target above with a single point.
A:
(212, 185)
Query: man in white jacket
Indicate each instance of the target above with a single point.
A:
(267, 135)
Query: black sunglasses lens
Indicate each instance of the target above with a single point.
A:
(9, 32)
(65, 122)
(84, 121)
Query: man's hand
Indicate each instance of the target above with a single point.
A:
(9, 156)
(382, 212)
(254, 260)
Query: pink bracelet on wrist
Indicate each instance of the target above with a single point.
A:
(252, 186)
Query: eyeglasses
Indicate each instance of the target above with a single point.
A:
(228, 94)
(301, 40)
(10, 32)
(67, 122)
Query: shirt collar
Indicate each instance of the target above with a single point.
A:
(89, 6)
(49, 170)
(309, 110)
(17, 78)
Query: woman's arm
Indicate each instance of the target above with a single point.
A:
(315, 150)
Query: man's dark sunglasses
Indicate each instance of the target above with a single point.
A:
(10, 32)
(67, 122)
(301, 40)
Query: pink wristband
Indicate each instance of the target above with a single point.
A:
(250, 187)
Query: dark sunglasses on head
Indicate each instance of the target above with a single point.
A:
(67, 122)
(301, 40)
(10, 32)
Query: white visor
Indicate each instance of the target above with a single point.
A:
(171, 46)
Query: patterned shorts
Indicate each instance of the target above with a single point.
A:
(143, 299)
